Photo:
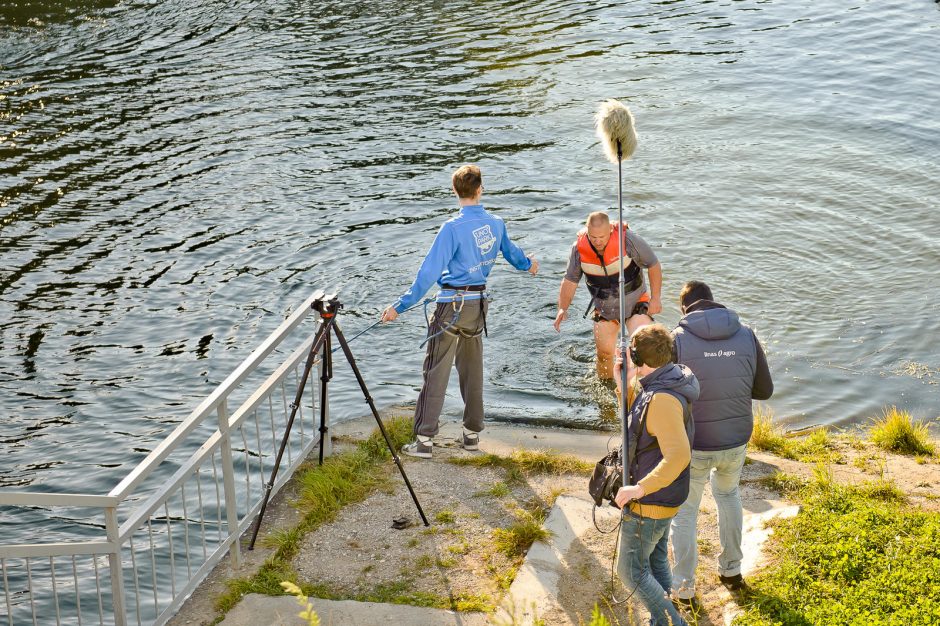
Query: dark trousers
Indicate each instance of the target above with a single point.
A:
(462, 342)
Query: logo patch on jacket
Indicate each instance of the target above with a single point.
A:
(484, 238)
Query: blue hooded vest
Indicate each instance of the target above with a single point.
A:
(644, 454)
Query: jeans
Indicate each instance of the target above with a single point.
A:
(643, 566)
(723, 467)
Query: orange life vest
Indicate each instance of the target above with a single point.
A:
(600, 268)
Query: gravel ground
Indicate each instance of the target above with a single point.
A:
(359, 553)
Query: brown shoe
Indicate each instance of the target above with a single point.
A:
(734, 583)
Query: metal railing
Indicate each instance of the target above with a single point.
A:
(156, 543)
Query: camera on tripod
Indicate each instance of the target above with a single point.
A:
(325, 305)
(328, 306)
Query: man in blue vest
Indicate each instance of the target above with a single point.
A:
(659, 443)
(459, 261)
(730, 365)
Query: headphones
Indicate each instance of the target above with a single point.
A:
(635, 356)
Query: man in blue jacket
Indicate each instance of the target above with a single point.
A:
(459, 261)
(731, 368)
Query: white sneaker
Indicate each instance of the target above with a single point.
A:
(471, 441)
(418, 448)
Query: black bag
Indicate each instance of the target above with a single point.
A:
(607, 478)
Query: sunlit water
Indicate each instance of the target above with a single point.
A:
(176, 175)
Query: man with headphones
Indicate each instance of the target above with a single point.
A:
(660, 431)
(729, 362)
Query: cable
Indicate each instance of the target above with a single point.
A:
(362, 332)
(613, 597)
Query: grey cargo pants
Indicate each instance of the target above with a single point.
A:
(462, 342)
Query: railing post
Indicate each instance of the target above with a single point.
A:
(228, 482)
(113, 529)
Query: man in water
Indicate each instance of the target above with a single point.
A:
(596, 254)
(460, 259)
(729, 362)
(659, 448)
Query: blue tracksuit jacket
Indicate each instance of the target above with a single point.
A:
(463, 253)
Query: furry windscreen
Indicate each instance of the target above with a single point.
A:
(612, 122)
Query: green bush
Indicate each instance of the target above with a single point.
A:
(854, 555)
(896, 431)
(598, 618)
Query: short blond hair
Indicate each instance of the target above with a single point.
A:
(597, 218)
(467, 180)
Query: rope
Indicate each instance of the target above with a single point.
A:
(449, 325)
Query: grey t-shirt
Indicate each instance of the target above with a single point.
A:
(639, 252)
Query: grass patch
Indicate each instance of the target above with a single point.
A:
(516, 539)
(855, 554)
(882, 490)
(765, 435)
(523, 462)
(816, 447)
(553, 495)
(705, 547)
(497, 490)
(400, 431)
(400, 592)
(424, 561)
(323, 491)
(782, 483)
(445, 517)
(896, 431)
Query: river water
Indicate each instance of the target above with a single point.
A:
(175, 176)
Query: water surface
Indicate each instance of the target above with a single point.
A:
(176, 175)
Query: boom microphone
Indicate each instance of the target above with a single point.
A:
(614, 123)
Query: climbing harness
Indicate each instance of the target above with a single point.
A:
(457, 297)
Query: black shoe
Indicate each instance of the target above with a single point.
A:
(734, 583)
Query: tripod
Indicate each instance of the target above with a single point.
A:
(328, 307)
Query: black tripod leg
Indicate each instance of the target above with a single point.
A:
(324, 379)
(322, 335)
(375, 413)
